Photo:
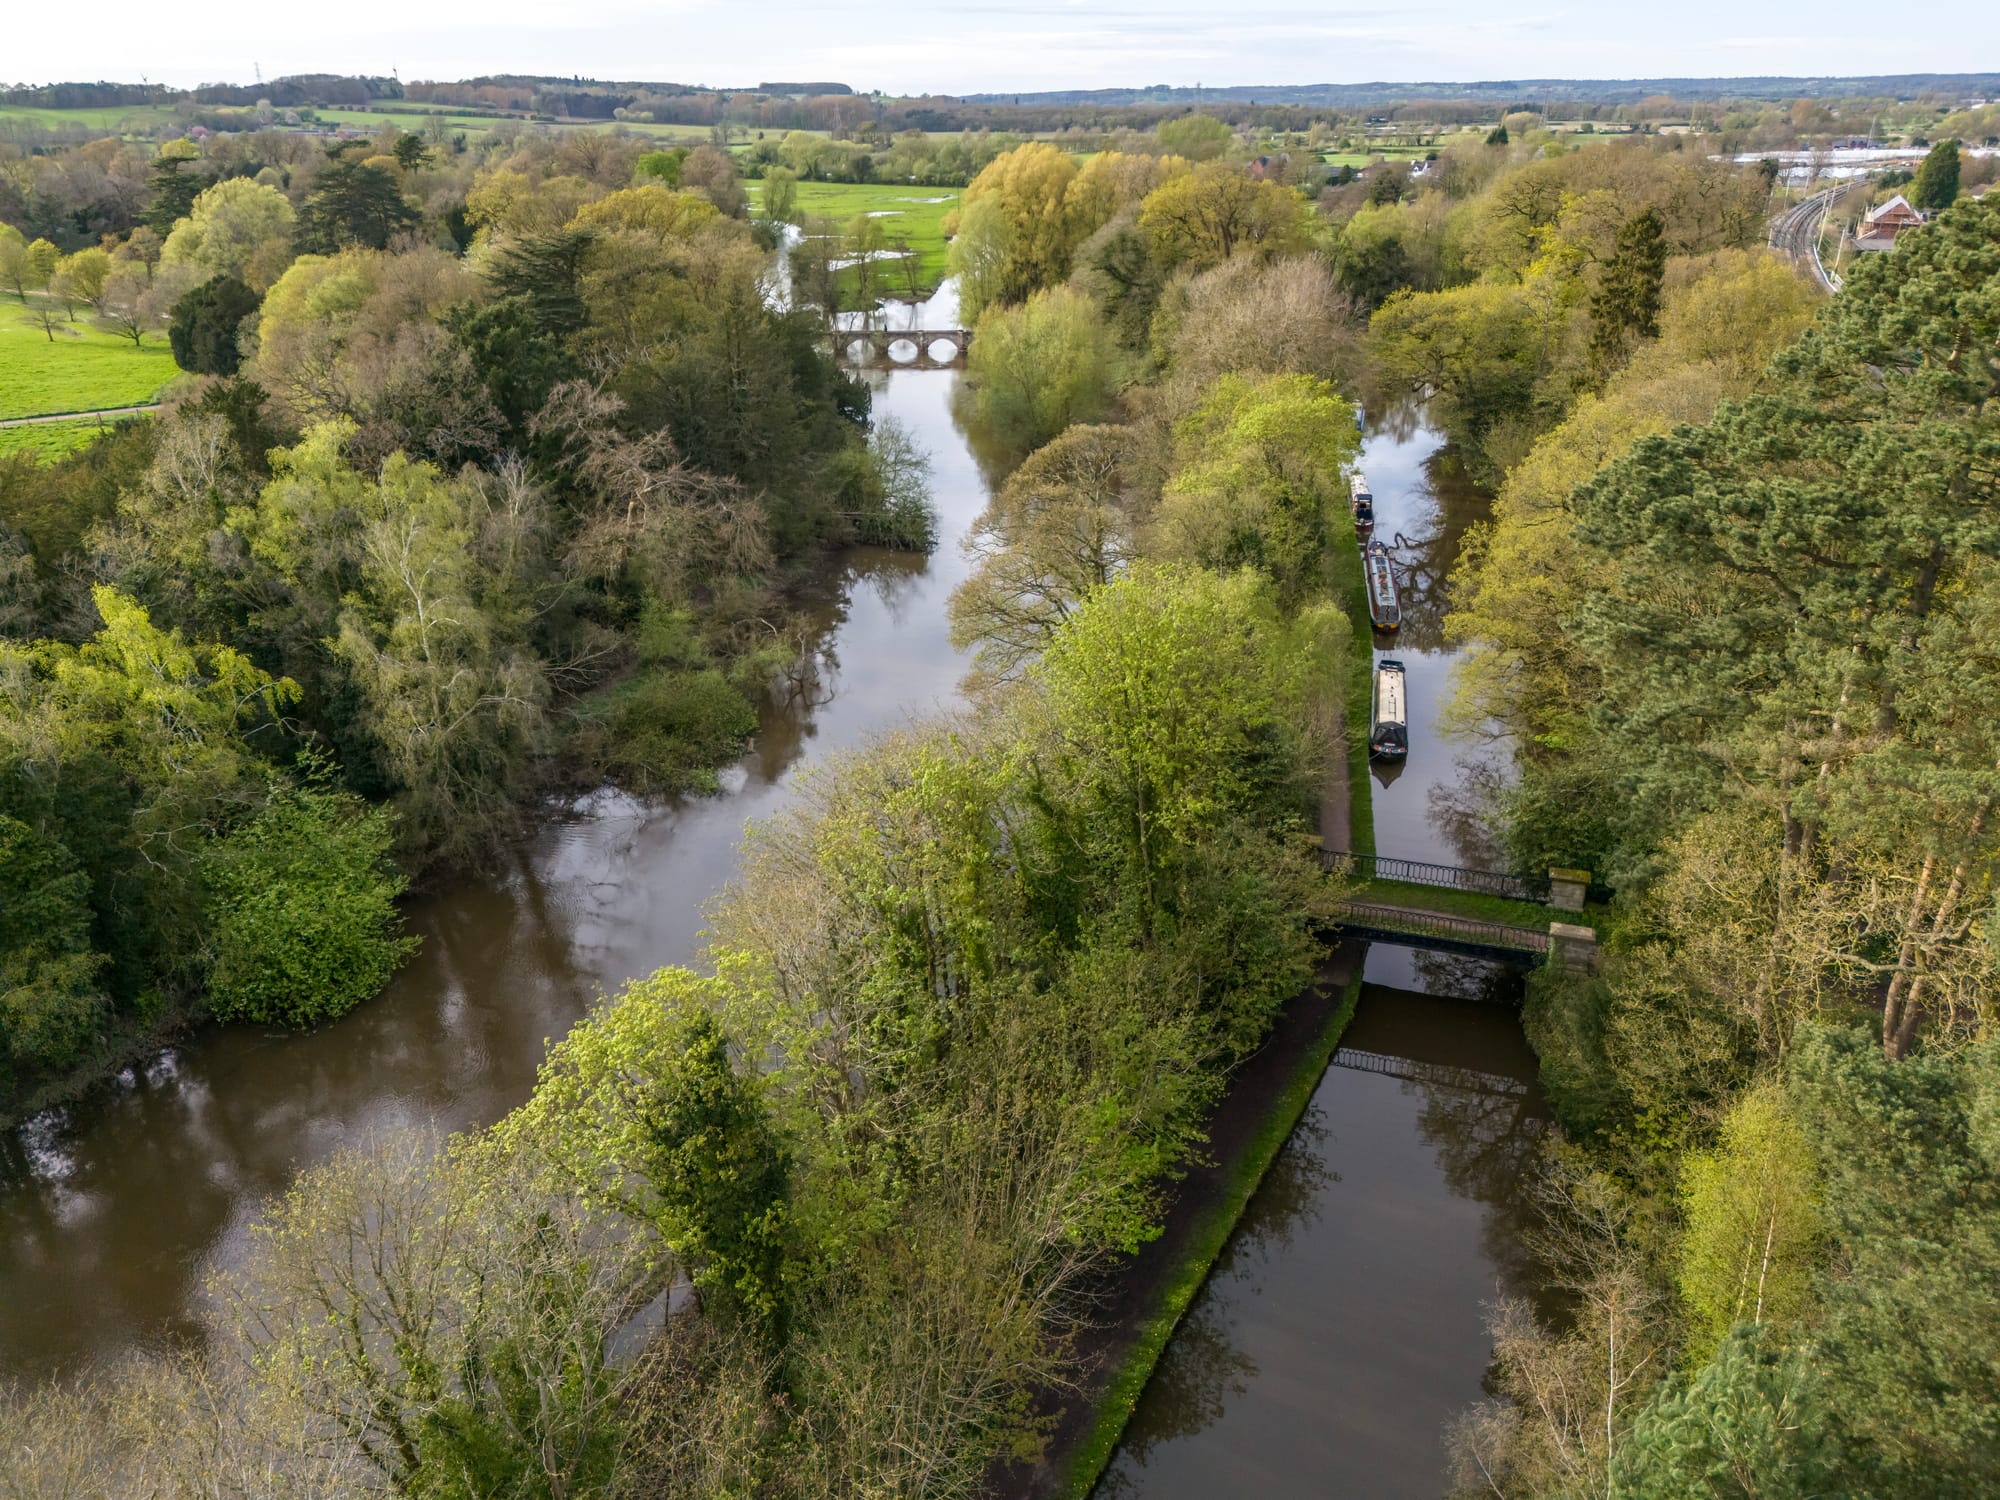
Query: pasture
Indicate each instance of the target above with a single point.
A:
(913, 215)
(83, 369)
(51, 440)
(108, 118)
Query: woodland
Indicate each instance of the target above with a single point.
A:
(491, 475)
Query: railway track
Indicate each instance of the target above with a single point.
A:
(1795, 232)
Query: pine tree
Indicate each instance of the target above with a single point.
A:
(352, 205)
(174, 192)
(1936, 185)
(1626, 305)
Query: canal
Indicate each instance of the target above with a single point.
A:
(1340, 1331)
(1343, 1327)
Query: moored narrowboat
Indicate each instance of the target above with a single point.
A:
(1362, 503)
(1383, 606)
(1388, 718)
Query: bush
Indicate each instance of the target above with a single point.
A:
(49, 1001)
(301, 907)
(668, 730)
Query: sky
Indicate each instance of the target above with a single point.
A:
(972, 46)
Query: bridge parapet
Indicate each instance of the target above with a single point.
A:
(880, 343)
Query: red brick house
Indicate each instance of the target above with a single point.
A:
(1881, 225)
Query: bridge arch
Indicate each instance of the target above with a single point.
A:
(935, 348)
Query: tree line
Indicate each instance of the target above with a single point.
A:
(1736, 615)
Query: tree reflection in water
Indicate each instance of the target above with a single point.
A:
(1342, 1326)
(1482, 1112)
(1425, 552)
(1203, 1365)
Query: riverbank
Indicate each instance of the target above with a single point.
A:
(1266, 1098)
(1147, 1298)
(579, 773)
(118, 1204)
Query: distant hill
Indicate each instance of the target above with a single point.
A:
(1528, 90)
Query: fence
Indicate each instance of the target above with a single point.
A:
(1447, 877)
(1363, 918)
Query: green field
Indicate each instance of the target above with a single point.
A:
(83, 370)
(110, 117)
(51, 440)
(906, 215)
(414, 120)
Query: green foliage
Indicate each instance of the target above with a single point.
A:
(240, 228)
(642, 1105)
(665, 165)
(780, 196)
(1371, 258)
(52, 505)
(1059, 528)
(1753, 1222)
(1752, 1422)
(352, 205)
(1035, 369)
(1936, 185)
(1478, 350)
(129, 750)
(50, 1004)
(207, 324)
(1018, 228)
(1259, 480)
(1196, 137)
(1201, 218)
(668, 729)
(544, 275)
(1910, 1333)
(301, 905)
(410, 152)
(1626, 305)
(175, 186)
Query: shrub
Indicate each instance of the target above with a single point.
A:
(301, 906)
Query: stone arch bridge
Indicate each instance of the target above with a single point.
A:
(920, 348)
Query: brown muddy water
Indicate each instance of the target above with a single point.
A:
(114, 1212)
(1343, 1325)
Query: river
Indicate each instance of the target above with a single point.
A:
(114, 1212)
(1344, 1324)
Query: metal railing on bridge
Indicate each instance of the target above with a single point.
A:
(1446, 877)
(1369, 919)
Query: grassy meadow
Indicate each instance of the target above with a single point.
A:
(914, 215)
(84, 369)
(51, 440)
(120, 117)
